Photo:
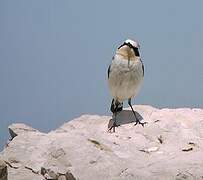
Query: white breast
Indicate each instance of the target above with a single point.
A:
(125, 78)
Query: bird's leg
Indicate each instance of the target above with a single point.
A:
(137, 120)
(114, 115)
(116, 107)
(112, 106)
(114, 123)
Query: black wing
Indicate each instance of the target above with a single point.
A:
(109, 69)
(142, 66)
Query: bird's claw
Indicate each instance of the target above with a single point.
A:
(142, 123)
(113, 126)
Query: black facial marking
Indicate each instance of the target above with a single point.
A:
(122, 45)
(135, 49)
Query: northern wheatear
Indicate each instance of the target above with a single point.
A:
(125, 76)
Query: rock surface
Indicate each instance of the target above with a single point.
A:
(170, 146)
(19, 128)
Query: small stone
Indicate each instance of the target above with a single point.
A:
(192, 143)
(69, 176)
(52, 174)
(47, 176)
(92, 162)
(149, 150)
(159, 152)
(43, 171)
(187, 149)
(152, 149)
(160, 139)
(3, 170)
(181, 176)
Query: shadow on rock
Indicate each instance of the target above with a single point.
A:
(125, 117)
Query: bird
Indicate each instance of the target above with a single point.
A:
(125, 77)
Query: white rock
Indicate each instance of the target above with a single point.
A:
(83, 147)
(19, 128)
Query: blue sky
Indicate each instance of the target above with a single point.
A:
(54, 56)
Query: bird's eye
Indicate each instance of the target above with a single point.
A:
(129, 44)
(136, 51)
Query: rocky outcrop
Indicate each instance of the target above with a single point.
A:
(19, 128)
(170, 146)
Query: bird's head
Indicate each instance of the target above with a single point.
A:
(129, 49)
(130, 42)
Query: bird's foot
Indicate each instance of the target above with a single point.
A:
(139, 122)
(113, 126)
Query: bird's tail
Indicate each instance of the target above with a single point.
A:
(116, 106)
